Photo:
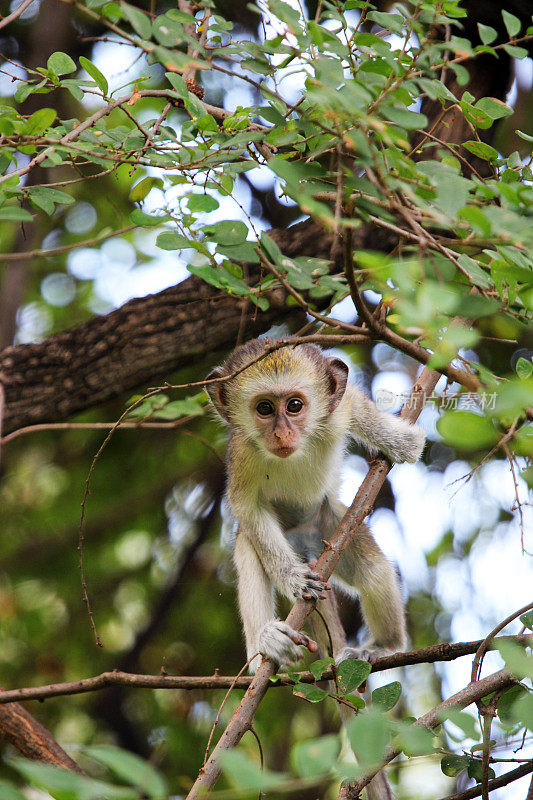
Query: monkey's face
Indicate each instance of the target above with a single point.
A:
(280, 421)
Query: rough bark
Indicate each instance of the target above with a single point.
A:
(31, 739)
(145, 339)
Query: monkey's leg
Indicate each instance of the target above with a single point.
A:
(367, 568)
(263, 632)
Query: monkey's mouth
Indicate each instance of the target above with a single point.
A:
(283, 452)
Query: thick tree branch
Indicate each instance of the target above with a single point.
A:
(426, 655)
(31, 738)
(495, 783)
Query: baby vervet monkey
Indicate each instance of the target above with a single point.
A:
(291, 414)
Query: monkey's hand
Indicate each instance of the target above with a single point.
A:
(281, 643)
(305, 584)
(403, 441)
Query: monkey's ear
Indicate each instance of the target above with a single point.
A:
(337, 379)
(217, 392)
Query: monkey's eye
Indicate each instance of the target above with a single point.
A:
(295, 405)
(264, 408)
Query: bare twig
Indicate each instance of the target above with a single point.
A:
(480, 652)
(16, 13)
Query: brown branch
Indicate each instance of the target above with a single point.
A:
(55, 251)
(433, 718)
(94, 426)
(32, 739)
(426, 655)
(16, 13)
(495, 783)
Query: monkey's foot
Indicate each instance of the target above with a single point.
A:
(368, 653)
(282, 643)
(305, 584)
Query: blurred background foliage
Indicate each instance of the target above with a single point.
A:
(160, 585)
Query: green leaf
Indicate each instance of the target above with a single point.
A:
(493, 108)
(465, 430)
(25, 89)
(515, 52)
(482, 150)
(352, 673)
(452, 765)
(95, 74)
(46, 198)
(523, 710)
(130, 768)
(319, 667)
(230, 232)
(474, 271)
(516, 659)
(527, 476)
(202, 202)
(240, 252)
(39, 122)
(475, 770)
(410, 120)
(65, 785)
(246, 775)
(527, 620)
(391, 22)
(61, 63)
(356, 700)
(369, 736)
(524, 368)
(271, 249)
(15, 214)
(139, 22)
(310, 692)
(189, 407)
(144, 187)
(138, 217)
(10, 792)
(506, 703)
(464, 721)
(315, 757)
(415, 741)
(486, 33)
(168, 240)
(178, 83)
(387, 696)
(514, 397)
(512, 23)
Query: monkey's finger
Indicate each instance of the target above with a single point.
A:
(317, 586)
(304, 641)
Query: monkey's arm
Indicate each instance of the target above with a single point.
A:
(263, 632)
(288, 573)
(379, 431)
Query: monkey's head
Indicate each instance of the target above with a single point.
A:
(279, 400)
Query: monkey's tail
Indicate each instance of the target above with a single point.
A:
(329, 634)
